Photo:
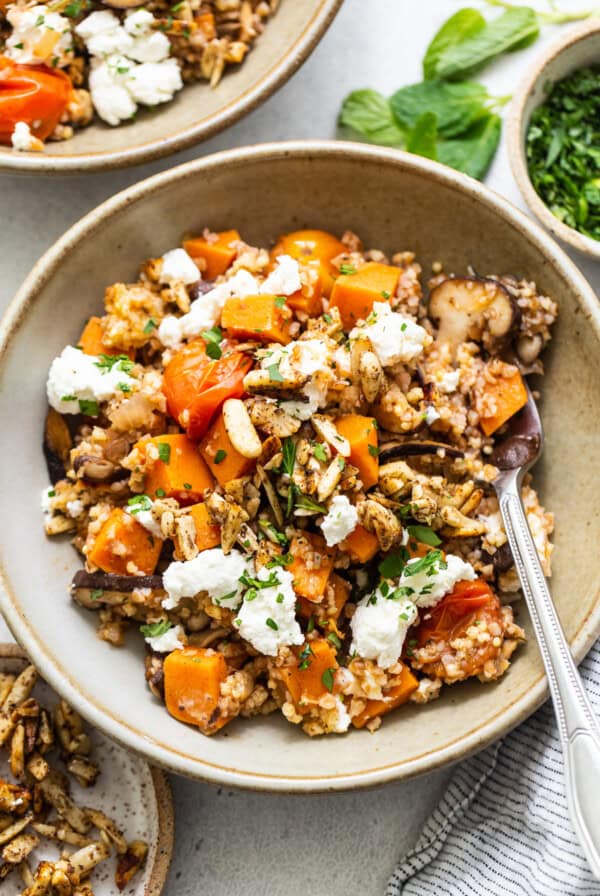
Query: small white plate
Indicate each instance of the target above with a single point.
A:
(128, 790)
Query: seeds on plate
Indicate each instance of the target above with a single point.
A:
(303, 521)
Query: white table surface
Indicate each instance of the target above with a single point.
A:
(236, 843)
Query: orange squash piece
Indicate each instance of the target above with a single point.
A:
(508, 395)
(193, 678)
(308, 299)
(341, 593)
(360, 545)
(361, 432)
(312, 245)
(354, 294)
(205, 23)
(222, 459)
(218, 254)
(396, 696)
(207, 534)
(180, 472)
(262, 317)
(125, 547)
(307, 684)
(91, 341)
(311, 566)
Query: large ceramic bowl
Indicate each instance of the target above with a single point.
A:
(577, 48)
(394, 201)
(197, 112)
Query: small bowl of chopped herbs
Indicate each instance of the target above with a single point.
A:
(554, 138)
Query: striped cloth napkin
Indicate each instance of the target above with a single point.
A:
(502, 826)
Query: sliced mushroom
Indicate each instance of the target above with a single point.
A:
(57, 445)
(393, 450)
(96, 589)
(467, 308)
(97, 469)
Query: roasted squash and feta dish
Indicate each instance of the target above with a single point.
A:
(275, 464)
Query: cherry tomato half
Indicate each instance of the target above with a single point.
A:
(453, 611)
(34, 94)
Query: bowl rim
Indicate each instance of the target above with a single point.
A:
(50, 665)
(161, 146)
(515, 131)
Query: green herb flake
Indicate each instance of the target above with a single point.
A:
(347, 269)
(187, 485)
(220, 456)
(393, 565)
(68, 398)
(164, 452)
(156, 629)
(121, 362)
(213, 339)
(333, 639)
(96, 594)
(425, 535)
(150, 326)
(124, 387)
(138, 503)
(280, 301)
(319, 452)
(327, 679)
(272, 624)
(274, 374)
(327, 318)
(385, 294)
(373, 450)
(160, 493)
(89, 408)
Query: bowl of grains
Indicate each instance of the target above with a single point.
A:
(91, 85)
(268, 554)
(553, 138)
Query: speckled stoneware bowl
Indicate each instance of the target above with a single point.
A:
(197, 112)
(576, 48)
(394, 201)
(134, 794)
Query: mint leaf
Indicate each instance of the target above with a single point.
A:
(369, 114)
(473, 152)
(457, 106)
(422, 140)
(463, 24)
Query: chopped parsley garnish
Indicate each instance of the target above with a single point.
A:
(51, 493)
(425, 535)
(156, 629)
(68, 398)
(39, 21)
(333, 639)
(373, 450)
(288, 452)
(430, 564)
(327, 318)
(341, 463)
(347, 269)
(391, 567)
(160, 492)
(150, 325)
(18, 46)
(138, 503)
(107, 362)
(304, 657)
(327, 679)
(270, 582)
(274, 373)
(220, 456)
(280, 301)
(306, 503)
(124, 387)
(319, 452)
(279, 599)
(282, 560)
(272, 624)
(310, 625)
(164, 452)
(385, 294)
(96, 594)
(213, 338)
(74, 8)
(89, 408)
(403, 327)
(188, 486)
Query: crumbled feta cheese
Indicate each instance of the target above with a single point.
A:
(177, 265)
(212, 571)
(431, 415)
(75, 376)
(146, 519)
(170, 640)
(284, 279)
(448, 381)
(130, 64)
(433, 582)
(152, 83)
(38, 37)
(75, 508)
(343, 365)
(268, 619)
(205, 311)
(299, 359)
(23, 140)
(379, 626)
(47, 495)
(343, 717)
(316, 394)
(395, 337)
(340, 521)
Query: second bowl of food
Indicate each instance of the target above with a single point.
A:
(271, 382)
(91, 86)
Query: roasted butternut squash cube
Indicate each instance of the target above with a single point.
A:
(312, 245)
(396, 696)
(91, 341)
(217, 253)
(311, 565)
(193, 679)
(354, 294)
(361, 432)
(307, 679)
(179, 471)
(207, 534)
(124, 547)
(222, 459)
(360, 545)
(264, 318)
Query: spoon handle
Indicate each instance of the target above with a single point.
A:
(577, 725)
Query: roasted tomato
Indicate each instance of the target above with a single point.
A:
(34, 94)
(196, 386)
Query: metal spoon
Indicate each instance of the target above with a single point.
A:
(577, 725)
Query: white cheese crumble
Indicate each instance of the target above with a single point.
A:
(267, 617)
(47, 495)
(395, 337)
(316, 394)
(448, 381)
(431, 415)
(299, 359)
(75, 376)
(212, 571)
(340, 521)
(177, 265)
(435, 580)
(343, 720)
(146, 519)
(130, 63)
(205, 311)
(38, 37)
(170, 640)
(75, 508)
(284, 279)
(22, 139)
(379, 628)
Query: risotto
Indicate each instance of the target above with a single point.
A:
(275, 464)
